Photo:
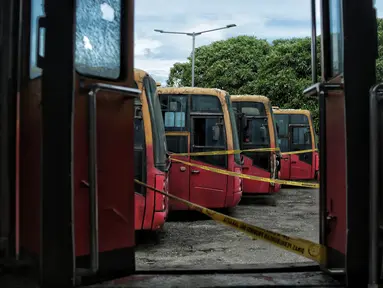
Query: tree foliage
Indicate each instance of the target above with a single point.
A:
(379, 61)
(228, 65)
(248, 65)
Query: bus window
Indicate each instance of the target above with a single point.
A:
(158, 130)
(208, 135)
(283, 131)
(300, 138)
(257, 132)
(174, 109)
(98, 38)
(206, 103)
(336, 38)
(298, 119)
(208, 131)
(37, 11)
(177, 143)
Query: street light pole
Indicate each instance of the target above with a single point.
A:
(194, 35)
(193, 59)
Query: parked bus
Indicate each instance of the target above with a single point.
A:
(296, 133)
(149, 155)
(256, 129)
(201, 120)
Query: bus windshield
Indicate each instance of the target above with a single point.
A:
(158, 130)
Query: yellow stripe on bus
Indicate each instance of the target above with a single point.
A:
(302, 247)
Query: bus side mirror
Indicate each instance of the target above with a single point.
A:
(216, 132)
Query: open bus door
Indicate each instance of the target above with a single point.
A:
(301, 165)
(76, 142)
(207, 133)
(348, 52)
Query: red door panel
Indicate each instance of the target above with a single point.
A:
(207, 188)
(299, 169)
(179, 142)
(335, 174)
(301, 165)
(251, 186)
(285, 167)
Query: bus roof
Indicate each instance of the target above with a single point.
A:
(192, 90)
(292, 111)
(139, 74)
(250, 98)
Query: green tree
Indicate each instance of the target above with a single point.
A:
(230, 64)
(379, 61)
(286, 72)
(247, 65)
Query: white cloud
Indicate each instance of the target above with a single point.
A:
(271, 19)
(144, 45)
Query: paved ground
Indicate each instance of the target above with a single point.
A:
(190, 239)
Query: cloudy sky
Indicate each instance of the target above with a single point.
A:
(267, 19)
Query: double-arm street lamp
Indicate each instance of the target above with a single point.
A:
(193, 35)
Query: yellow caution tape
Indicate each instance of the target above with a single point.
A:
(250, 177)
(230, 152)
(298, 246)
(299, 152)
(225, 152)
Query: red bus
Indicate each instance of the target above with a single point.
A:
(296, 133)
(257, 130)
(201, 120)
(149, 155)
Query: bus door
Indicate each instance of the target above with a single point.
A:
(90, 219)
(208, 188)
(256, 136)
(300, 139)
(179, 174)
(283, 142)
